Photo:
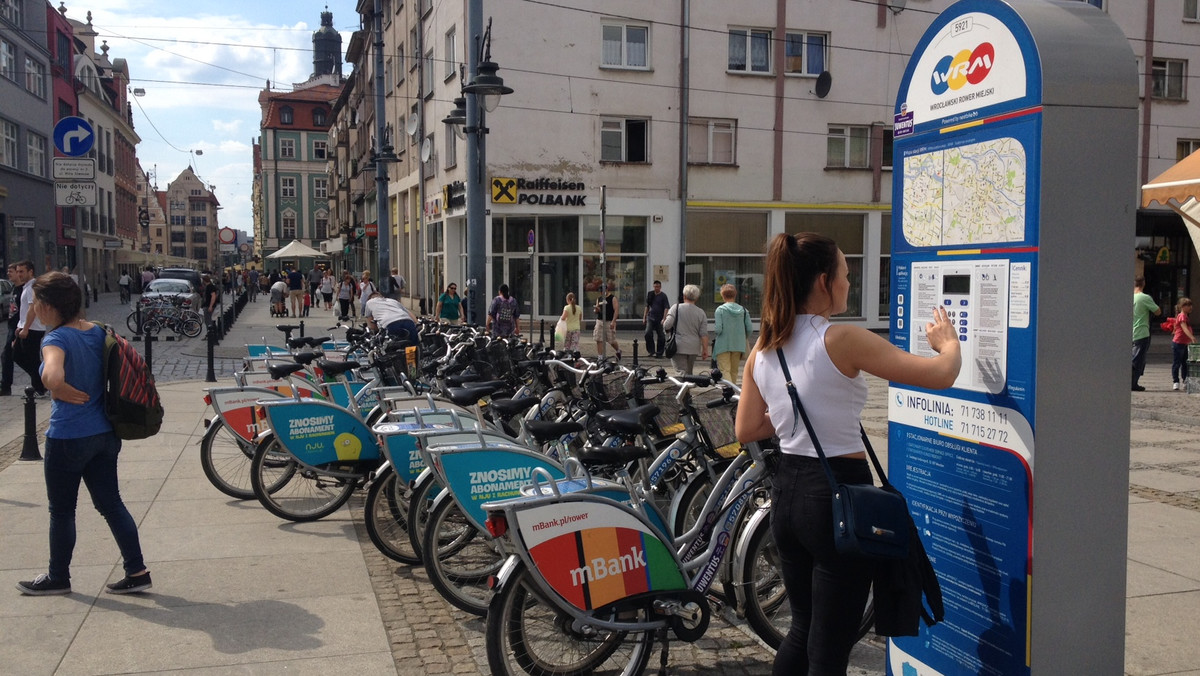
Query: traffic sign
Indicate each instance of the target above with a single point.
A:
(227, 235)
(74, 136)
(74, 168)
(74, 194)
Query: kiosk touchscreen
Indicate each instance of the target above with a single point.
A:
(979, 138)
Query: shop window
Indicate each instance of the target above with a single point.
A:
(726, 247)
(885, 266)
(848, 230)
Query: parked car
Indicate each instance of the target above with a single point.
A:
(6, 297)
(183, 273)
(164, 288)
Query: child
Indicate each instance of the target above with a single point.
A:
(1180, 339)
(307, 303)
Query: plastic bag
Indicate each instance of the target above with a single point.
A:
(560, 331)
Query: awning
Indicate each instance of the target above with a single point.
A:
(297, 249)
(1176, 189)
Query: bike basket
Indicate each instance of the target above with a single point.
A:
(718, 422)
(608, 389)
(668, 419)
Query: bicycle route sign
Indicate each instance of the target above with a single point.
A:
(74, 193)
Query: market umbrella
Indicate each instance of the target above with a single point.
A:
(1176, 189)
(297, 249)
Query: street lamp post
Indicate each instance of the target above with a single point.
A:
(383, 226)
(480, 96)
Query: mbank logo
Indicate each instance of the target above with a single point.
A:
(954, 71)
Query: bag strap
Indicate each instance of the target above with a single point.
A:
(798, 407)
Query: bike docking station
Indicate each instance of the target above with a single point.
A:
(1015, 133)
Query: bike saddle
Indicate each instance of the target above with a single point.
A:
(334, 368)
(508, 407)
(317, 341)
(305, 358)
(462, 379)
(627, 421)
(467, 396)
(622, 455)
(543, 431)
(278, 371)
(294, 343)
(286, 328)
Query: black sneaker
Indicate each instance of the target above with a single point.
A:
(1138, 388)
(131, 584)
(42, 585)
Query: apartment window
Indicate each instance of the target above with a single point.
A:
(286, 115)
(321, 227)
(8, 60)
(178, 237)
(287, 187)
(625, 46)
(8, 144)
(886, 163)
(319, 150)
(199, 236)
(451, 54)
(35, 158)
(1099, 4)
(624, 140)
(287, 147)
(35, 77)
(62, 52)
(1191, 10)
(451, 154)
(320, 188)
(199, 206)
(847, 146)
(412, 41)
(711, 141)
(427, 75)
(178, 220)
(1169, 77)
(388, 80)
(400, 65)
(11, 10)
(749, 50)
(200, 253)
(430, 167)
(805, 53)
(320, 118)
(1185, 147)
(289, 226)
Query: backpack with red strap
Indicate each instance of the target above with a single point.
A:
(131, 401)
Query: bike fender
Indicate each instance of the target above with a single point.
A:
(504, 577)
(760, 515)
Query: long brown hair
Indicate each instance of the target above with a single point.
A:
(794, 263)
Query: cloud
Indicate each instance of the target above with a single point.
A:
(230, 127)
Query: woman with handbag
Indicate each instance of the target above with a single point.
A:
(806, 282)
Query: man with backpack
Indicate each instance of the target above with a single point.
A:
(503, 314)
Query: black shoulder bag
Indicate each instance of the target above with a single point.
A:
(868, 520)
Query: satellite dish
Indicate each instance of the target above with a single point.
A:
(824, 82)
(411, 125)
(426, 150)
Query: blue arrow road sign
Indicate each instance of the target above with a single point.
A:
(74, 136)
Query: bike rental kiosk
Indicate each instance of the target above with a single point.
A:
(1014, 189)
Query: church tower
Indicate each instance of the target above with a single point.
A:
(327, 47)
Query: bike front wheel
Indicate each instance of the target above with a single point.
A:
(386, 516)
(304, 495)
(226, 460)
(190, 326)
(527, 635)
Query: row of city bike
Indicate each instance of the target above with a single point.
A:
(591, 512)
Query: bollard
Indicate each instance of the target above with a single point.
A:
(149, 353)
(211, 377)
(542, 333)
(552, 342)
(301, 329)
(95, 294)
(29, 450)
(137, 309)
(635, 353)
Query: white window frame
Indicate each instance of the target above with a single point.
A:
(427, 75)
(400, 69)
(748, 36)
(1160, 71)
(9, 133)
(35, 77)
(388, 81)
(287, 225)
(321, 225)
(287, 187)
(624, 56)
(8, 60)
(10, 10)
(451, 55)
(845, 134)
(320, 150)
(1191, 10)
(287, 148)
(320, 188)
(35, 154)
(802, 38)
(618, 128)
(450, 154)
(708, 129)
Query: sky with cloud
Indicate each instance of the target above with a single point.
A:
(202, 67)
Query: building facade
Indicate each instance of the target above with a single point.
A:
(28, 222)
(191, 215)
(710, 131)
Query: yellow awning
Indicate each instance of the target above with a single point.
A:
(1176, 189)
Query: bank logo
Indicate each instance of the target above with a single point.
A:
(504, 190)
(965, 67)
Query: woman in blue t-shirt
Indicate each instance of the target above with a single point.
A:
(80, 443)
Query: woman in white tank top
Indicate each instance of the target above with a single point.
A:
(806, 283)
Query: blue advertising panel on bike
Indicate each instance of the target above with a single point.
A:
(965, 233)
(318, 432)
(487, 475)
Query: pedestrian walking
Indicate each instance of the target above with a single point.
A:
(571, 315)
(123, 282)
(366, 288)
(503, 314)
(27, 350)
(657, 305)
(731, 326)
(691, 331)
(1181, 337)
(1143, 307)
(80, 443)
(449, 305)
(327, 289)
(10, 338)
(605, 331)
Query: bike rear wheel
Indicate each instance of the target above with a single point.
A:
(190, 326)
(459, 558)
(226, 458)
(386, 515)
(526, 635)
(305, 495)
(419, 503)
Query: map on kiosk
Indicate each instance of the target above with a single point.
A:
(966, 195)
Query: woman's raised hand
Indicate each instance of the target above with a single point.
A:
(941, 333)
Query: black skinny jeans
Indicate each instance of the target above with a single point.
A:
(654, 330)
(827, 591)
